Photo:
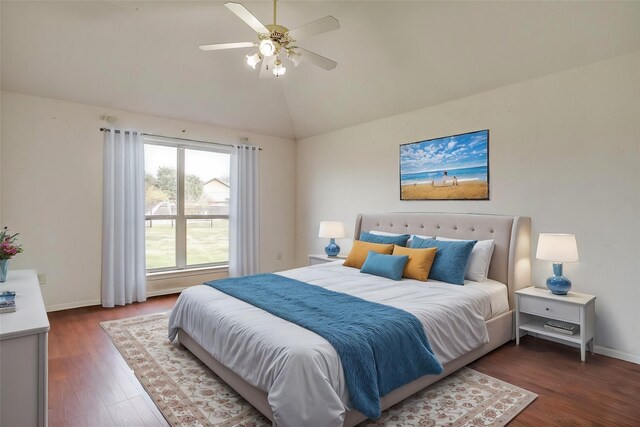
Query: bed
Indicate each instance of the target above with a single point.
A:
(269, 361)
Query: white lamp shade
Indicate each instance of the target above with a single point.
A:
(332, 229)
(279, 70)
(294, 57)
(557, 247)
(253, 60)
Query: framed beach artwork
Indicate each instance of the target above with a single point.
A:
(449, 168)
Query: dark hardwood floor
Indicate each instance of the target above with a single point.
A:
(602, 391)
(91, 385)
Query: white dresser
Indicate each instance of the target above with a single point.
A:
(23, 354)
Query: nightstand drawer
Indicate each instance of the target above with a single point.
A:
(549, 308)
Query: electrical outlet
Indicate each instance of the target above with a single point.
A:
(42, 279)
(279, 256)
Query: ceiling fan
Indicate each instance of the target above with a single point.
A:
(276, 42)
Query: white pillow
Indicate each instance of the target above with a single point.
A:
(384, 233)
(421, 236)
(479, 261)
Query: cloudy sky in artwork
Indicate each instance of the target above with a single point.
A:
(451, 152)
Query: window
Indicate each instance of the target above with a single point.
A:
(186, 204)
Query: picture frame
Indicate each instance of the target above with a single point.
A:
(452, 167)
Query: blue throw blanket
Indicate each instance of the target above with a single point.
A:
(381, 347)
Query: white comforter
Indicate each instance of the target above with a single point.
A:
(300, 371)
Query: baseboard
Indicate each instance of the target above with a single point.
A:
(76, 304)
(166, 291)
(598, 349)
(617, 354)
(88, 303)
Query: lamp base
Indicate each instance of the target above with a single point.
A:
(558, 284)
(332, 248)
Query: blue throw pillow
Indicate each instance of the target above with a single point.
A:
(451, 258)
(389, 266)
(400, 240)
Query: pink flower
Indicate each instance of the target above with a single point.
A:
(8, 247)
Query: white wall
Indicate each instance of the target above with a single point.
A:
(564, 150)
(51, 180)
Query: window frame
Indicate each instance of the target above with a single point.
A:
(181, 218)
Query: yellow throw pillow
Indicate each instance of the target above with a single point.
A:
(361, 249)
(419, 264)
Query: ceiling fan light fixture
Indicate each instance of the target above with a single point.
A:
(267, 47)
(253, 60)
(278, 68)
(275, 40)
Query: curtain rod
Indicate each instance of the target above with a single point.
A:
(179, 139)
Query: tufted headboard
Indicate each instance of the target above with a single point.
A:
(511, 261)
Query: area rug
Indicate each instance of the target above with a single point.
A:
(188, 393)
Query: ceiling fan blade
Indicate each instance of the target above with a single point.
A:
(328, 23)
(247, 17)
(266, 69)
(317, 60)
(222, 46)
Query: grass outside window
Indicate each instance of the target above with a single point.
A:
(207, 242)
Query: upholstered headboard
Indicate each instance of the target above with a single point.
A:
(511, 261)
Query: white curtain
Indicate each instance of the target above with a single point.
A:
(244, 212)
(123, 245)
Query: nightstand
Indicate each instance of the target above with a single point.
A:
(534, 306)
(322, 258)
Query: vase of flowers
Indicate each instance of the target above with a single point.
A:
(8, 249)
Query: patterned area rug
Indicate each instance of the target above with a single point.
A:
(188, 393)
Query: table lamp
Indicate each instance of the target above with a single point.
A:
(332, 230)
(557, 248)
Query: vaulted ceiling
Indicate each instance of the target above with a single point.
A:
(392, 56)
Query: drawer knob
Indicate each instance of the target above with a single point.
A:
(547, 308)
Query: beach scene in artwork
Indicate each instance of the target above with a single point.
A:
(453, 168)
